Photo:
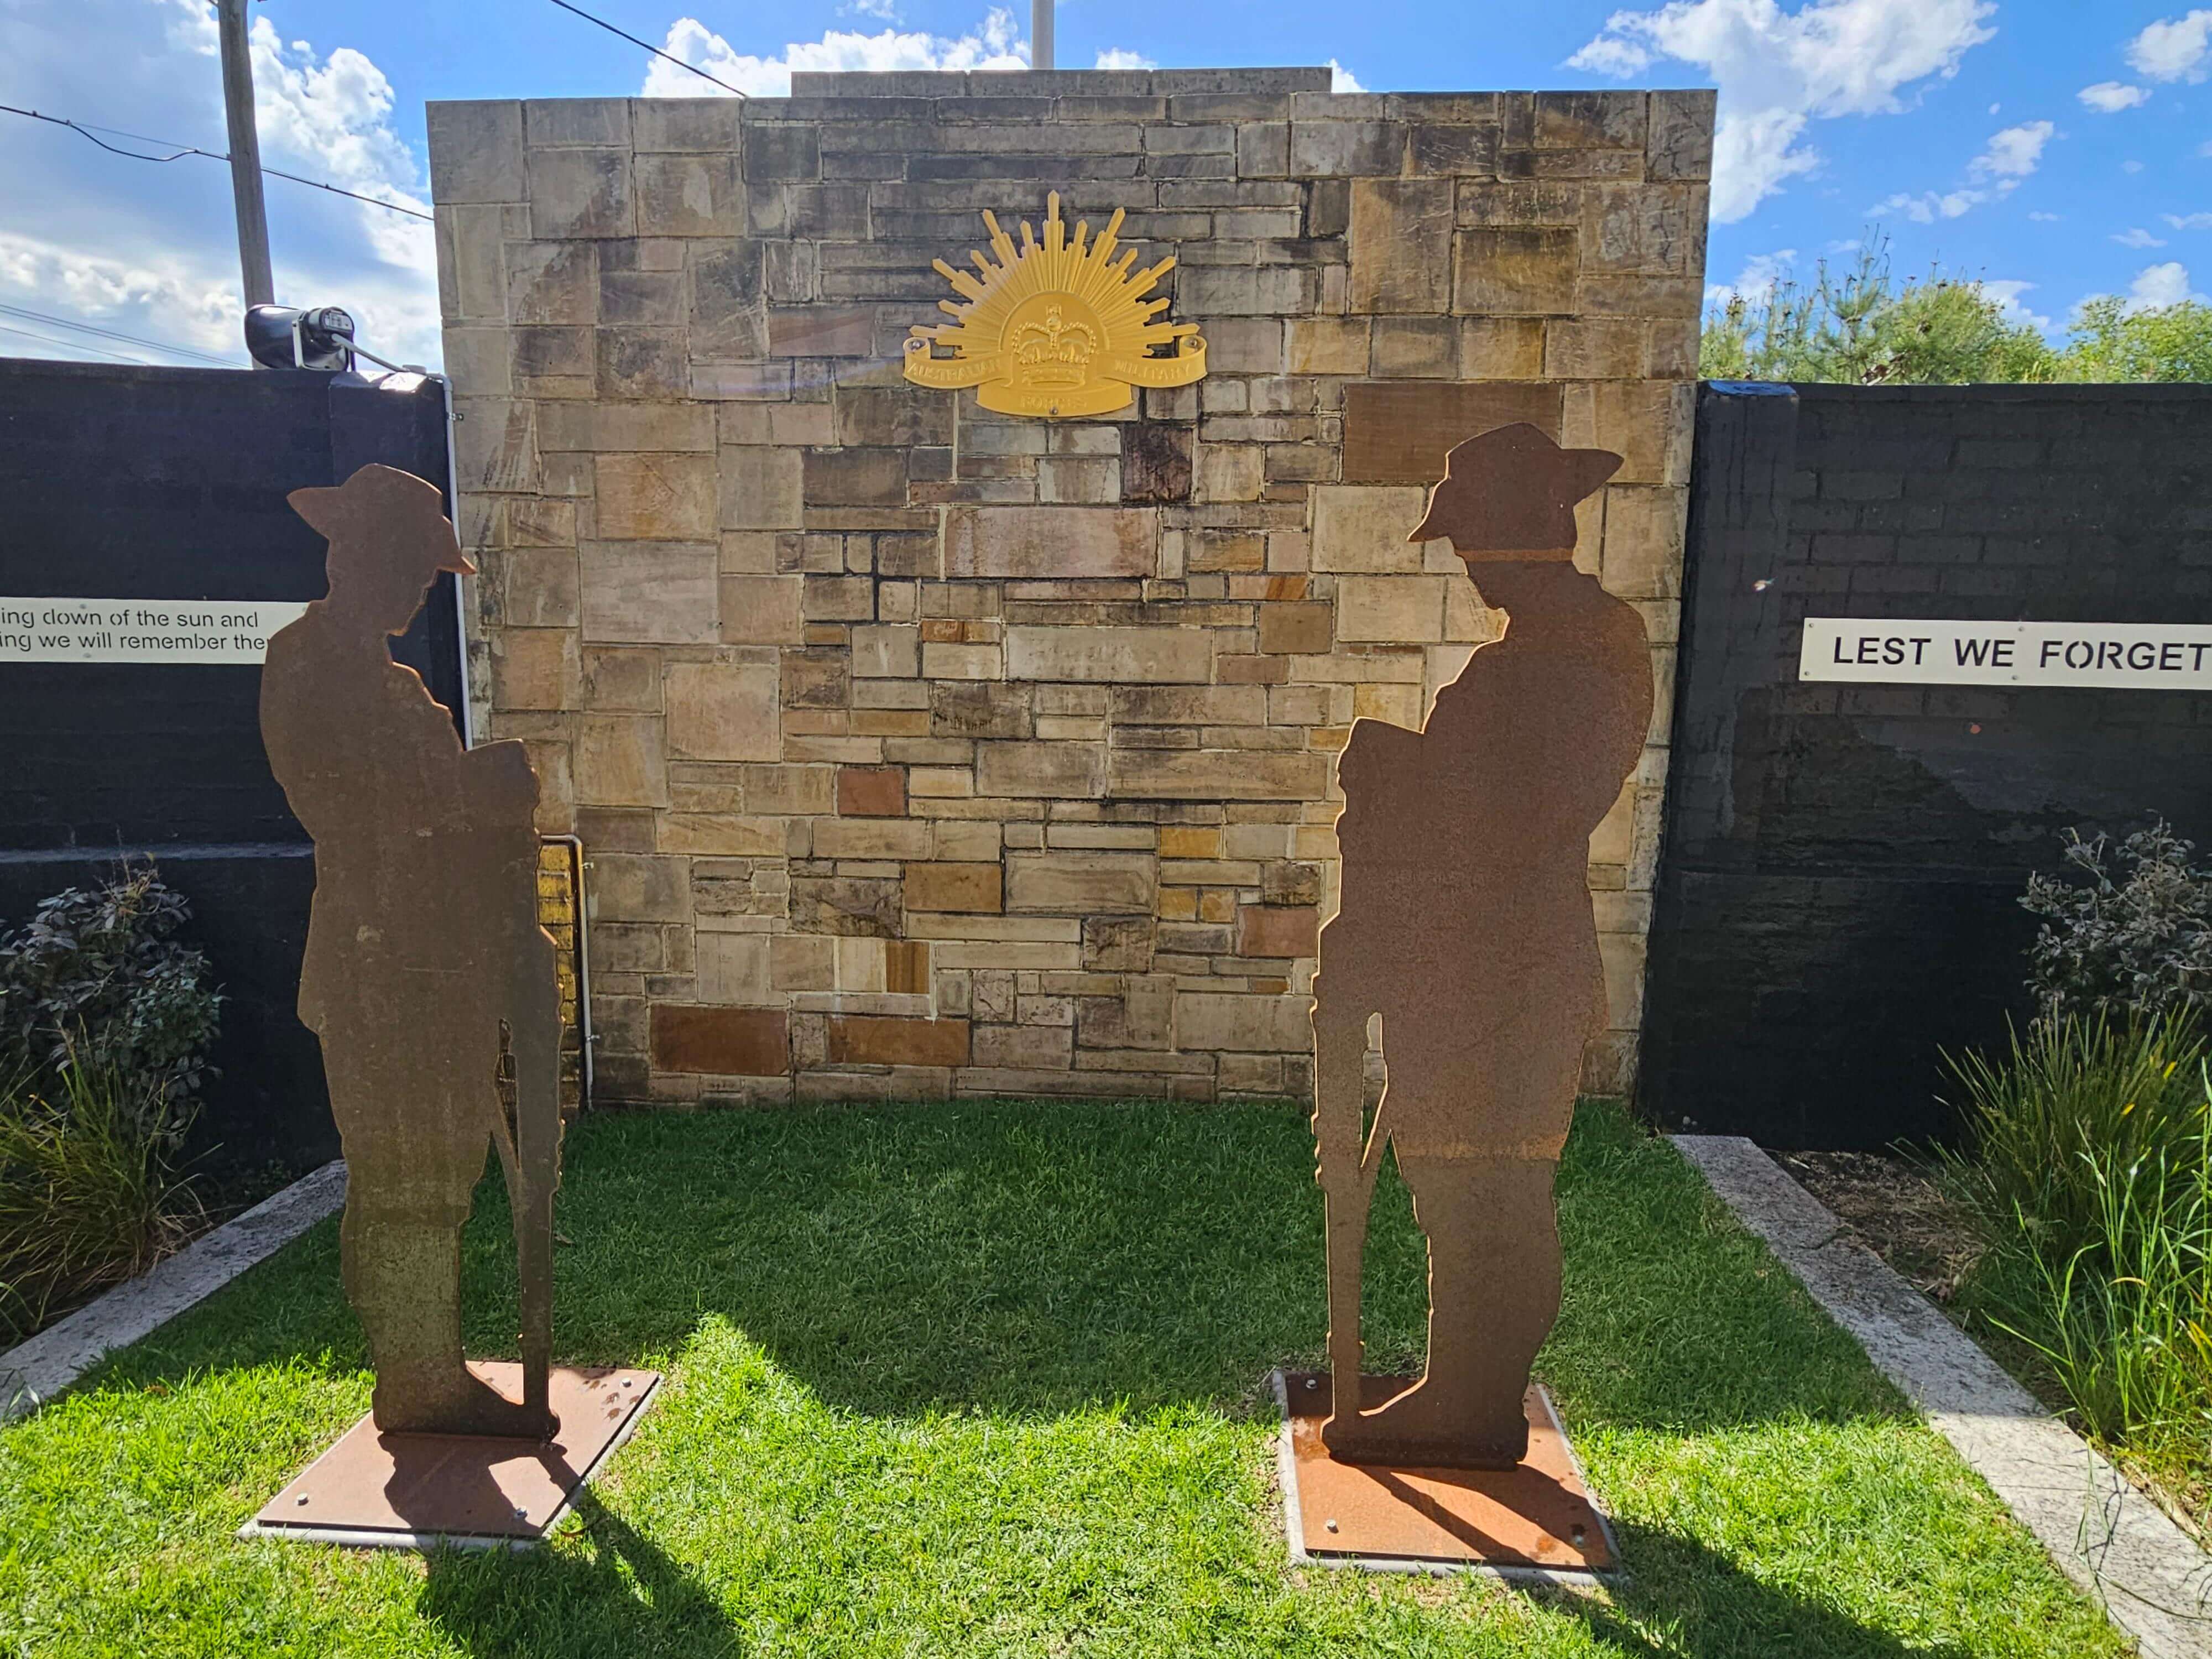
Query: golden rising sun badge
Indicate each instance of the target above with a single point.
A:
(1053, 328)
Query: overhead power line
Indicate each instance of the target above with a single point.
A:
(84, 130)
(648, 45)
(77, 345)
(27, 315)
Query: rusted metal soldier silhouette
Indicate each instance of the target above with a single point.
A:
(1466, 924)
(425, 962)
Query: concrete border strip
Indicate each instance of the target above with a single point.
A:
(33, 1372)
(2153, 1580)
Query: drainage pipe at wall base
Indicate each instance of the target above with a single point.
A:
(578, 864)
(461, 595)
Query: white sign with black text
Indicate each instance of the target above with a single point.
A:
(2117, 656)
(140, 630)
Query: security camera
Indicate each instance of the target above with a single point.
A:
(280, 337)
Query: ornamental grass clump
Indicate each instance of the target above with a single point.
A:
(2086, 1156)
(104, 1022)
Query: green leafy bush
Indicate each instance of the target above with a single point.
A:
(104, 1020)
(98, 979)
(2133, 934)
(1863, 327)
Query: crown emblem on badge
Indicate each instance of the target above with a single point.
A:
(1053, 328)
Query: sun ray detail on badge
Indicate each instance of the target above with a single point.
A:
(1057, 327)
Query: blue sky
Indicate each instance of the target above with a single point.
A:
(2054, 149)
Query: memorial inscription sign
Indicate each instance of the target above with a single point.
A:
(2117, 656)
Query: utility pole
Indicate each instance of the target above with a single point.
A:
(260, 288)
(1041, 34)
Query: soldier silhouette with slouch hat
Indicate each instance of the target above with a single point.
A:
(1466, 924)
(425, 961)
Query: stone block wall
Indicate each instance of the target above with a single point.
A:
(920, 750)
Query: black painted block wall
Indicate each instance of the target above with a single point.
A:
(1840, 872)
(170, 483)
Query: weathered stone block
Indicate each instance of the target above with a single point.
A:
(537, 668)
(621, 760)
(880, 1040)
(840, 599)
(1082, 883)
(1400, 434)
(1117, 943)
(890, 651)
(1416, 348)
(762, 488)
(649, 592)
(733, 970)
(688, 196)
(1034, 542)
(1143, 654)
(872, 840)
(1322, 148)
(723, 711)
(1679, 143)
(1050, 770)
(1205, 775)
(475, 152)
(1329, 345)
(1261, 1024)
(1266, 931)
(1401, 244)
(660, 498)
(1517, 272)
(958, 888)
(640, 363)
(854, 907)
(1025, 1048)
(979, 710)
(721, 1041)
(729, 303)
(1388, 609)
(871, 792)
(762, 609)
(577, 193)
(1302, 628)
(1364, 528)
(634, 887)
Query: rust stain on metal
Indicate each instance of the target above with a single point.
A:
(420, 1486)
(428, 978)
(1536, 1514)
(1466, 924)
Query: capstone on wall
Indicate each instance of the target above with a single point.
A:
(920, 750)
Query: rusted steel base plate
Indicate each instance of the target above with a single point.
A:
(1536, 1517)
(411, 1490)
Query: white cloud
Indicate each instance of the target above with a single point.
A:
(1927, 207)
(2138, 237)
(882, 9)
(2110, 97)
(2174, 49)
(2160, 285)
(2043, 218)
(2131, 167)
(1779, 71)
(1342, 79)
(150, 250)
(1118, 57)
(2190, 220)
(2013, 154)
(994, 45)
(1757, 279)
(2006, 295)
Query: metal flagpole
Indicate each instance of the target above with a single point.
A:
(259, 287)
(1041, 34)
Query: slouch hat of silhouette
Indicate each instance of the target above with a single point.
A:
(1512, 490)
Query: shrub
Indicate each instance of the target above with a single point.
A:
(97, 979)
(104, 1020)
(2133, 936)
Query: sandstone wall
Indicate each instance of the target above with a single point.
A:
(918, 750)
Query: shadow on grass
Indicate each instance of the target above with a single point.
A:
(1041, 1258)
(1686, 1599)
(622, 1595)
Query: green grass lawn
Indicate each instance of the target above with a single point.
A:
(983, 1378)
